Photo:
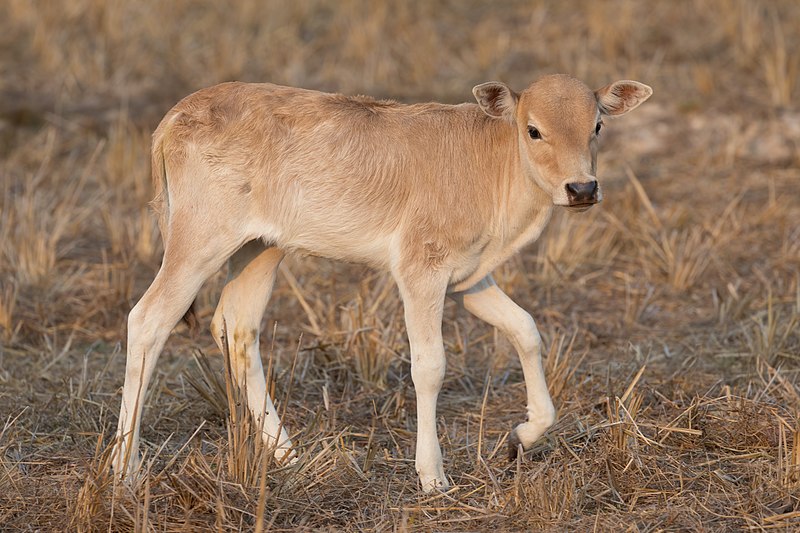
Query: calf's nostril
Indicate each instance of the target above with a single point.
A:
(572, 189)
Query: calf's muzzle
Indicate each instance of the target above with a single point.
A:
(580, 194)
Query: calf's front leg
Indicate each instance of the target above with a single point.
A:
(423, 301)
(486, 301)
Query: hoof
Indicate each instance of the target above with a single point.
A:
(435, 482)
(513, 446)
(285, 455)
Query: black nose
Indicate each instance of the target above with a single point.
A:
(582, 193)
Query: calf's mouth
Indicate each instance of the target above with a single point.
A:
(580, 207)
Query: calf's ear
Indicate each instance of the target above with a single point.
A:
(496, 99)
(622, 96)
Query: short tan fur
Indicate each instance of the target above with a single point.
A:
(438, 195)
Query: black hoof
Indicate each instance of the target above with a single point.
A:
(513, 446)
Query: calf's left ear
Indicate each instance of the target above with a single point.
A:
(622, 96)
(496, 99)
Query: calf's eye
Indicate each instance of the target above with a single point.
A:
(534, 133)
(598, 128)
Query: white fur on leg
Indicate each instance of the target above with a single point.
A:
(183, 270)
(145, 336)
(240, 310)
(427, 371)
(124, 461)
(486, 301)
(273, 432)
(423, 304)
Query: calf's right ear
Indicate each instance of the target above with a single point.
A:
(496, 99)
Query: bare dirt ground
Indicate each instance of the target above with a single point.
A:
(670, 313)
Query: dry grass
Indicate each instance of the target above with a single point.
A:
(670, 314)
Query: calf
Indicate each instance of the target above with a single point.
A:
(438, 195)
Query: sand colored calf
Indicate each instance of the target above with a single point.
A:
(438, 195)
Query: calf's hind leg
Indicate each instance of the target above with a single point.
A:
(241, 307)
(186, 265)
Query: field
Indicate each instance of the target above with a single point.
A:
(670, 313)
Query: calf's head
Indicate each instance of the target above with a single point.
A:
(558, 120)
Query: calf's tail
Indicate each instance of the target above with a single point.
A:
(160, 202)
